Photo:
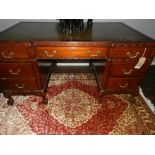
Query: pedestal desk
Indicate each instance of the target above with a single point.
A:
(24, 46)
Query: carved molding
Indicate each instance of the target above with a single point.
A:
(64, 43)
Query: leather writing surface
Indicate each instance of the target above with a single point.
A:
(46, 31)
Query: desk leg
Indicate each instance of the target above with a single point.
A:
(100, 96)
(133, 96)
(132, 99)
(10, 99)
(45, 100)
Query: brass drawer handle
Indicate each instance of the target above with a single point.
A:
(11, 54)
(123, 86)
(89, 51)
(50, 55)
(20, 86)
(94, 55)
(14, 73)
(132, 56)
(98, 52)
(127, 72)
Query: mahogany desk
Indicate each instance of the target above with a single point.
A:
(23, 46)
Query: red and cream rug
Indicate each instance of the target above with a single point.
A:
(73, 109)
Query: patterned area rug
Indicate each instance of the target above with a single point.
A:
(74, 109)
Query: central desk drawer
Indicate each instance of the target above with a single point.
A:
(16, 70)
(71, 52)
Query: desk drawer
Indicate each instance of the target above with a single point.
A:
(13, 52)
(127, 69)
(131, 52)
(70, 52)
(16, 70)
(19, 84)
(122, 83)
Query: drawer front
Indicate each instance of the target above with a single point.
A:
(16, 70)
(19, 84)
(131, 53)
(122, 83)
(13, 52)
(70, 52)
(127, 69)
